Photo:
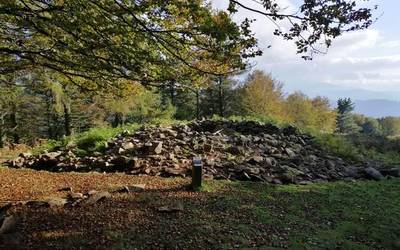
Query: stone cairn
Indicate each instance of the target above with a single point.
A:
(246, 150)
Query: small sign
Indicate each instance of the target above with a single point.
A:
(197, 161)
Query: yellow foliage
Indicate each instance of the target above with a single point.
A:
(263, 95)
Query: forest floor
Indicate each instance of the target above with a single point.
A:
(223, 215)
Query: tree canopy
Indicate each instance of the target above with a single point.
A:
(95, 42)
(315, 24)
(146, 41)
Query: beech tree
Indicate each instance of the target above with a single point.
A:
(263, 95)
(153, 41)
(145, 41)
(314, 24)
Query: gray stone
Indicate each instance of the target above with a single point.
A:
(132, 188)
(352, 172)
(9, 225)
(52, 155)
(372, 173)
(25, 155)
(290, 152)
(158, 148)
(97, 197)
(171, 132)
(270, 162)
(92, 192)
(56, 202)
(120, 151)
(256, 160)
(171, 209)
(175, 172)
(253, 171)
(128, 145)
(276, 181)
(75, 196)
(311, 158)
(330, 164)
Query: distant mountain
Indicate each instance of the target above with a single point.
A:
(377, 108)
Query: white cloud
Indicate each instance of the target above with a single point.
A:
(363, 60)
(354, 41)
(391, 44)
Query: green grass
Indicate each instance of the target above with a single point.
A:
(362, 215)
(94, 140)
(245, 215)
(87, 142)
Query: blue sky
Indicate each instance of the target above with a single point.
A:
(362, 65)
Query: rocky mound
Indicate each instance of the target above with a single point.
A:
(230, 150)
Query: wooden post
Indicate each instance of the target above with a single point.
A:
(197, 172)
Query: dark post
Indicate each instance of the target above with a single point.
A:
(197, 173)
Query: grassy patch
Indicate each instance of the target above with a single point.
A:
(94, 139)
(87, 142)
(362, 215)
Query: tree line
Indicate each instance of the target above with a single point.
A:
(39, 105)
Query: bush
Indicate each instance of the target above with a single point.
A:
(93, 140)
(46, 146)
(391, 158)
(338, 145)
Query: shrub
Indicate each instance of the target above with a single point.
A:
(338, 145)
(87, 142)
(95, 139)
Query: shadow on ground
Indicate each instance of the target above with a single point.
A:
(363, 215)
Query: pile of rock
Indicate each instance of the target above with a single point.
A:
(230, 150)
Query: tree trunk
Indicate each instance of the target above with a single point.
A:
(117, 120)
(67, 120)
(172, 93)
(2, 130)
(49, 124)
(197, 105)
(1, 139)
(14, 125)
(220, 97)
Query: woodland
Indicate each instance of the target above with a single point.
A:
(104, 104)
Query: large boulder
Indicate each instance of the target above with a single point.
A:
(372, 173)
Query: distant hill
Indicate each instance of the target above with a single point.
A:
(377, 108)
